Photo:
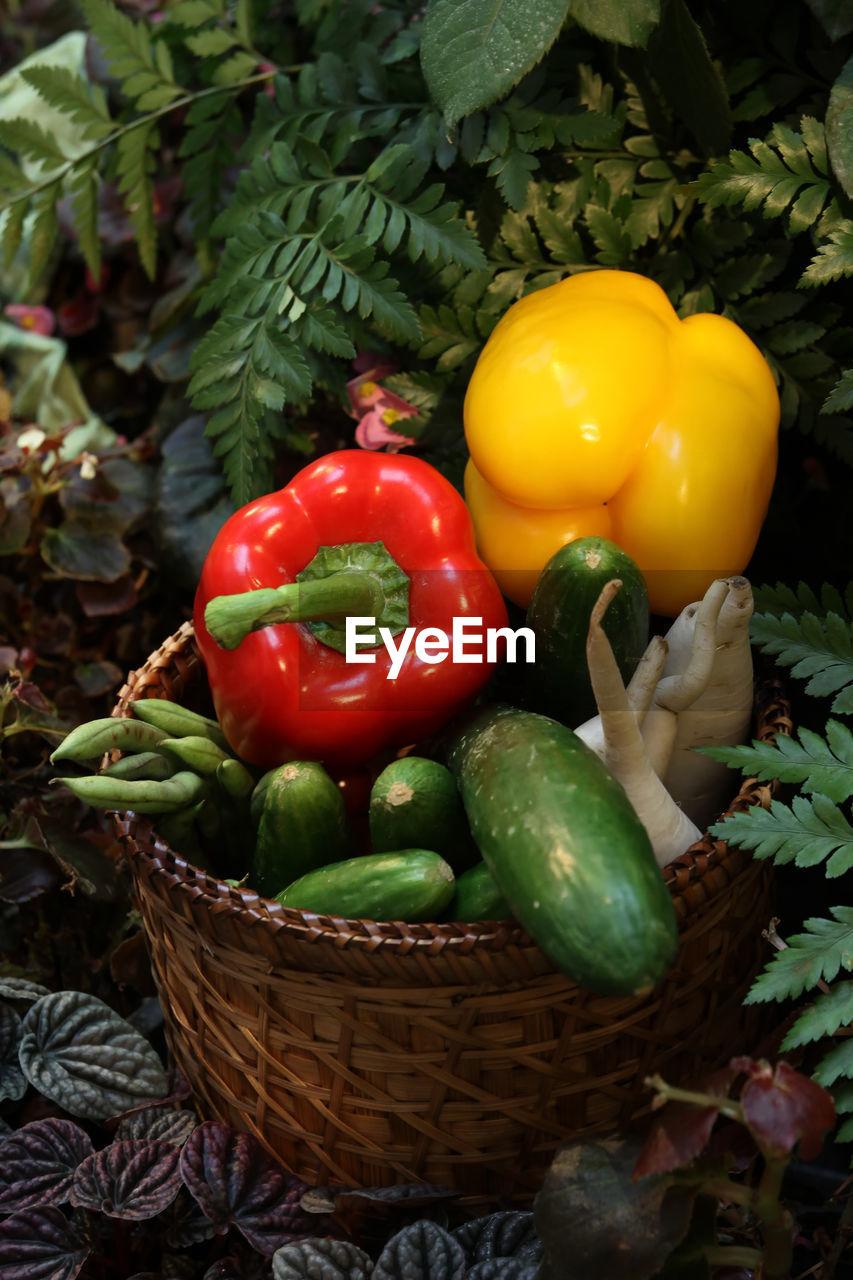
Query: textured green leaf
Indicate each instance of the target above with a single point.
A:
(839, 127)
(79, 1053)
(474, 51)
(692, 84)
(818, 650)
(628, 22)
(817, 764)
(73, 550)
(805, 833)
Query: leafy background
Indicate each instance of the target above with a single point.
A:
(224, 208)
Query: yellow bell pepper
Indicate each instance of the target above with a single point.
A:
(593, 409)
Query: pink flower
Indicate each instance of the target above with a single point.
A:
(36, 319)
(377, 409)
(374, 430)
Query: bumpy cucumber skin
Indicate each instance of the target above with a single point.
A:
(302, 824)
(558, 683)
(477, 897)
(415, 803)
(567, 850)
(403, 884)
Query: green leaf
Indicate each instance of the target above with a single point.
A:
(135, 163)
(127, 48)
(628, 22)
(474, 51)
(840, 398)
(815, 763)
(831, 1011)
(29, 139)
(805, 833)
(81, 101)
(83, 185)
(818, 650)
(212, 43)
(837, 1064)
(833, 259)
(43, 228)
(839, 127)
(783, 598)
(821, 952)
(73, 550)
(690, 81)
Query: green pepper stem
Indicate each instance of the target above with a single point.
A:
(229, 619)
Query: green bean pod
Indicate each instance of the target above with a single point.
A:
(109, 733)
(178, 721)
(196, 752)
(234, 778)
(152, 765)
(165, 795)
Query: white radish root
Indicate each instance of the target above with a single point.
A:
(670, 830)
(640, 690)
(720, 716)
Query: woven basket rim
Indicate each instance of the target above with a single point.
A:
(152, 858)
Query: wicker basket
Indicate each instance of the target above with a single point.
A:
(368, 1054)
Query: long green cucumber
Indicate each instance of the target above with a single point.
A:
(302, 824)
(557, 684)
(403, 884)
(477, 897)
(566, 849)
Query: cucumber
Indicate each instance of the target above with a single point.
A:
(557, 684)
(477, 897)
(403, 884)
(302, 824)
(566, 849)
(415, 802)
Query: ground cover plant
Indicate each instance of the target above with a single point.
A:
(237, 235)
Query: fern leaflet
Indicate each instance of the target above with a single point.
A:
(805, 833)
(817, 764)
(833, 259)
(818, 650)
(821, 952)
(141, 64)
(782, 598)
(831, 1009)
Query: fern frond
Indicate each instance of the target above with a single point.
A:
(12, 230)
(135, 166)
(783, 598)
(786, 173)
(821, 952)
(817, 764)
(818, 650)
(805, 833)
(836, 1065)
(834, 258)
(82, 101)
(133, 57)
(27, 138)
(840, 398)
(83, 185)
(831, 1010)
(43, 228)
(453, 335)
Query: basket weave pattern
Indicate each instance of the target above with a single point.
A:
(366, 1054)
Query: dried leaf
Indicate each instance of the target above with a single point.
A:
(133, 1179)
(238, 1184)
(782, 1108)
(590, 1210)
(38, 1162)
(52, 1248)
(78, 1052)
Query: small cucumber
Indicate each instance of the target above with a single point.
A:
(477, 897)
(415, 802)
(566, 849)
(557, 684)
(404, 884)
(302, 825)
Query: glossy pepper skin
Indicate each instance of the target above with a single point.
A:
(593, 409)
(282, 693)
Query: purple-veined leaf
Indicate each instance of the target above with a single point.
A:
(132, 1179)
(244, 1264)
(79, 1052)
(40, 1244)
(156, 1125)
(321, 1259)
(38, 1162)
(184, 1224)
(238, 1184)
(13, 1082)
(422, 1251)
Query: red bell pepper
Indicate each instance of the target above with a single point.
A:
(284, 688)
